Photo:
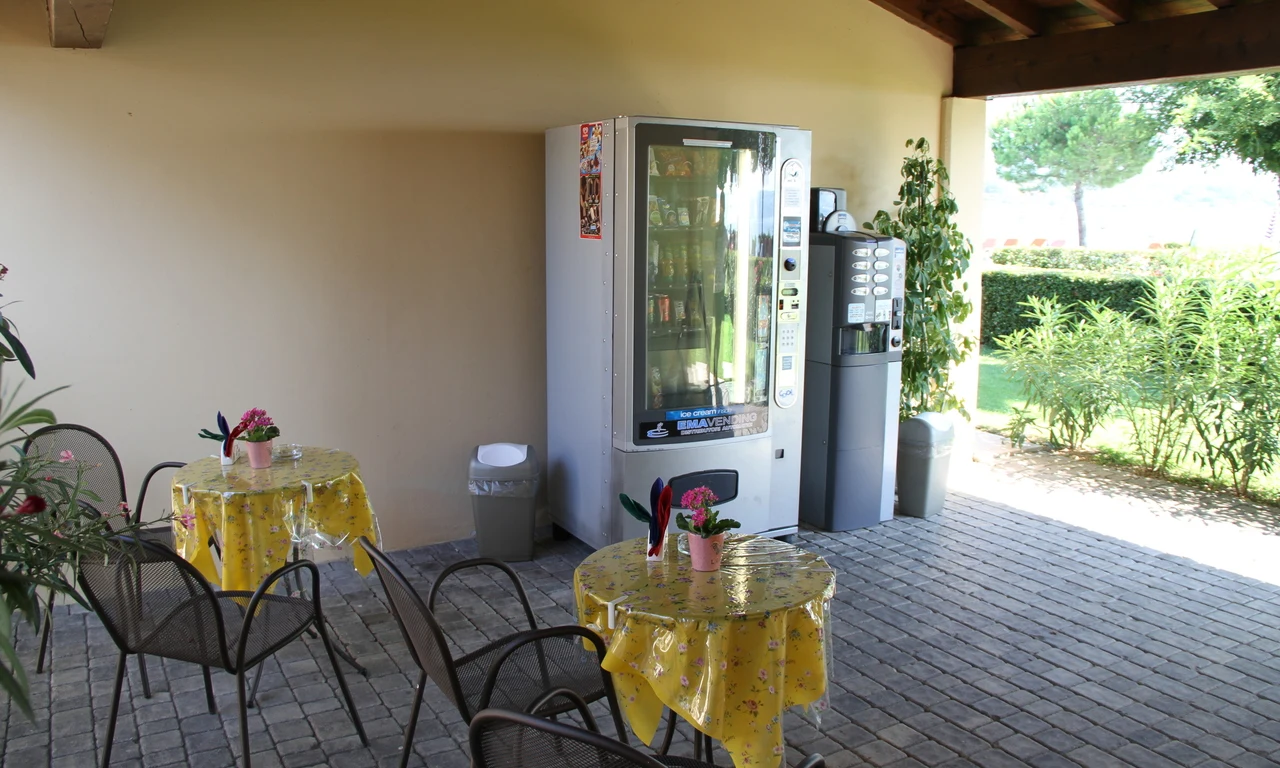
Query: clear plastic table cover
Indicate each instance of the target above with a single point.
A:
(729, 651)
(315, 501)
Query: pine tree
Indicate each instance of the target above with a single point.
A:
(1083, 140)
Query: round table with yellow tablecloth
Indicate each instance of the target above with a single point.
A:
(259, 515)
(729, 651)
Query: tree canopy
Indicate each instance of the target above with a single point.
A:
(1083, 140)
(1235, 117)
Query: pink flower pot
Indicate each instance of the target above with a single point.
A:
(705, 553)
(259, 454)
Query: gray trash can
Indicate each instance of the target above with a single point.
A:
(504, 483)
(924, 457)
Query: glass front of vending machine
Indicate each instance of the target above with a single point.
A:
(704, 272)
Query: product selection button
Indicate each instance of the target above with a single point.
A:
(880, 290)
(881, 278)
(864, 278)
(882, 265)
(882, 252)
(862, 252)
(861, 264)
(861, 291)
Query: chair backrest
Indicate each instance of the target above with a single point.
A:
(421, 632)
(152, 601)
(505, 739)
(103, 473)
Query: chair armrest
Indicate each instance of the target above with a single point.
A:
(265, 588)
(477, 563)
(146, 481)
(521, 639)
(574, 699)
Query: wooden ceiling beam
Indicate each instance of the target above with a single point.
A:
(1114, 11)
(926, 15)
(1021, 16)
(78, 23)
(1235, 39)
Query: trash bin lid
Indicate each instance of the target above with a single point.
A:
(504, 461)
(927, 429)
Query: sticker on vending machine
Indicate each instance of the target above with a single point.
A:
(590, 146)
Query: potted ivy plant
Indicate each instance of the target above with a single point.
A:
(706, 529)
(938, 256)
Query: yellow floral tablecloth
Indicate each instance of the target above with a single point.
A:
(258, 515)
(729, 651)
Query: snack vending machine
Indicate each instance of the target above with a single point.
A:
(675, 318)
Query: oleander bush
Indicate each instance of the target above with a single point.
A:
(1193, 366)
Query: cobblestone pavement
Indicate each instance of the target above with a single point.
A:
(983, 636)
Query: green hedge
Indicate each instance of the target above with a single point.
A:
(1092, 260)
(1004, 290)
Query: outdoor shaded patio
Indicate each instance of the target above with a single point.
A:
(984, 636)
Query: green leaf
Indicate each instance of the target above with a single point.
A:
(634, 509)
(19, 351)
(26, 415)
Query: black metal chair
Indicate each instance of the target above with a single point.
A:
(504, 739)
(515, 672)
(152, 601)
(104, 478)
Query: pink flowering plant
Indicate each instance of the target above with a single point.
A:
(48, 521)
(704, 521)
(257, 426)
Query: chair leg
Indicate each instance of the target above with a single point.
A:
(244, 717)
(44, 635)
(208, 691)
(342, 681)
(671, 731)
(257, 678)
(697, 745)
(115, 710)
(709, 759)
(413, 720)
(142, 668)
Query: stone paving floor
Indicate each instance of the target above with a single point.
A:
(983, 636)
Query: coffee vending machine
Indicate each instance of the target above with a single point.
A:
(853, 370)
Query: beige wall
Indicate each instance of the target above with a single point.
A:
(333, 210)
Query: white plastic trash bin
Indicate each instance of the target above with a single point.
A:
(924, 458)
(503, 482)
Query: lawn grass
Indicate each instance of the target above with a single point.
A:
(1110, 443)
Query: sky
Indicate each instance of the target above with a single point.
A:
(1213, 207)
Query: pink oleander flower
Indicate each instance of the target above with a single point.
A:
(32, 505)
(66, 456)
